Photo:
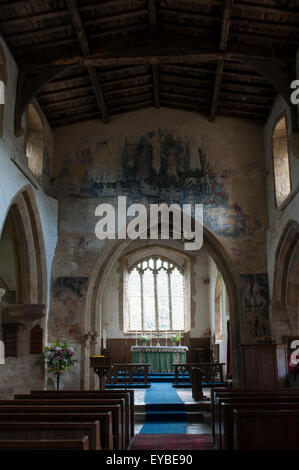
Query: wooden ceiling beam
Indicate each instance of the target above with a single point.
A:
(159, 49)
(80, 31)
(118, 17)
(131, 107)
(26, 19)
(224, 35)
(152, 14)
(38, 32)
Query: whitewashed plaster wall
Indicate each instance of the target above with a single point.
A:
(289, 210)
(22, 373)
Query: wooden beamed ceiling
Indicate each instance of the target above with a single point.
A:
(87, 59)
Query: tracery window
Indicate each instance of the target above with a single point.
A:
(156, 295)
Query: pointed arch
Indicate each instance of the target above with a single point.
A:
(24, 218)
(93, 312)
(285, 298)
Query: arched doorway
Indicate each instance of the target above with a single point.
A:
(285, 299)
(23, 277)
(93, 312)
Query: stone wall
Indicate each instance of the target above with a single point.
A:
(26, 371)
(152, 156)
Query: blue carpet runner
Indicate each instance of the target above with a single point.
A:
(165, 411)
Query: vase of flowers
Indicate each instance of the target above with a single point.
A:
(175, 340)
(144, 340)
(59, 357)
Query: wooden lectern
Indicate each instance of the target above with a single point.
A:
(102, 366)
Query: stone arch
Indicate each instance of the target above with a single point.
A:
(25, 220)
(285, 298)
(3, 80)
(98, 280)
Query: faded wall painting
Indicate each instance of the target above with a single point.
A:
(256, 311)
(157, 166)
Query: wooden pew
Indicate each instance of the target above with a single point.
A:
(254, 399)
(100, 393)
(227, 421)
(216, 394)
(266, 429)
(32, 430)
(76, 394)
(17, 406)
(80, 401)
(46, 444)
(105, 419)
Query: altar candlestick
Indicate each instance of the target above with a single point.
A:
(136, 338)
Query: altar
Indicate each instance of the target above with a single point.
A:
(160, 358)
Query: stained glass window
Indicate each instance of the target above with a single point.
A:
(156, 295)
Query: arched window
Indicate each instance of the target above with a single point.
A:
(218, 309)
(35, 141)
(281, 161)
(156, 295)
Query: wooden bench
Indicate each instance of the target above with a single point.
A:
(105, 419)
(225, 393)
(46, 444)
(128, 395)
(266, 429)
(84, 402)
(227, 419)
(52, 431)
(110, 393)
(58, 406)
(222, 419)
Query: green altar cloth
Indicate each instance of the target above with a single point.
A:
(160, 358)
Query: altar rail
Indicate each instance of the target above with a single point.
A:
(133, 372)
(211, 372)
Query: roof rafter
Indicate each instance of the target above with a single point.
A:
(225, 26)
(80, 31)
(155, 68)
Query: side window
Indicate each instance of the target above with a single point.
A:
(35, 141)
(281, 161)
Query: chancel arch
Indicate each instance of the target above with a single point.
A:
(99, 282)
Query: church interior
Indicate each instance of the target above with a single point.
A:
(118, 337)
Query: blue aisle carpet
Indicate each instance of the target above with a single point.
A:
(165, 411)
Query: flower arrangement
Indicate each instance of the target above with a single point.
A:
(175, 338)
(144, 339)
(59, 357)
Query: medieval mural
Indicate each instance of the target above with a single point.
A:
(256, 311)
(159, 166)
